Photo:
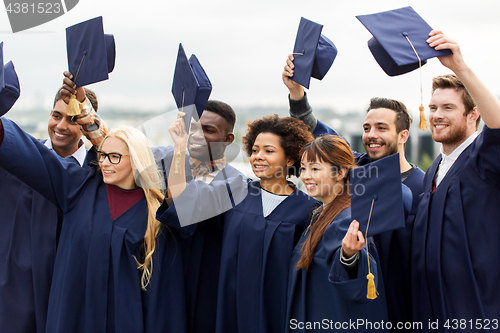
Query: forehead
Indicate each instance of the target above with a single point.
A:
(212, 119)
(264, 139)
(380, 115)
(61, 107)
(310, 158)
(114, 145)
(446, 96)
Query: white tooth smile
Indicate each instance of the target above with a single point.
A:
(374, 145)
(196, 145)
(59, 135)
(440, 126)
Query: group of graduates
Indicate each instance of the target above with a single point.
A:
(132, 238)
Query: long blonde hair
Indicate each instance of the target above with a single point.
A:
(148, 177)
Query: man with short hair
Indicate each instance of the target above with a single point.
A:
(208, 139)
(456, 238)
(385, 132)
(29, 231)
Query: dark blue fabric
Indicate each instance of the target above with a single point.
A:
(327, 293)
(96, 283)
(389, 45)
(201, 251)
(456, 247)
(28, 241)
(255, 262)
(9, 85)
(29, 231)
(394, 247)
(91, 54)
(313, 53)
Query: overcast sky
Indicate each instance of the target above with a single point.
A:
(243, 46)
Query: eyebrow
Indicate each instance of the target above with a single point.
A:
(209, 126)
(444, 104)
(113, 152)
(379, 123)
(264, 146)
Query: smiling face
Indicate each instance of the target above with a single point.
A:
(449, 124)
(209, 137)
(120, 174)
(64, 134)
(380, 137)
(268, 158)
(320, 180)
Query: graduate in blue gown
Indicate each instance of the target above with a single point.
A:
(207, 145)
(113, 258)
(328, 269)
(385, 131)
(260, 232)
(456, 240)
(30, 228)
(209, 138)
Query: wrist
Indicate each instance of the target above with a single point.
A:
(348, 260)
(297, 94)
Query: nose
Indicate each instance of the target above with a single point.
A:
(372, 133)
(305, 174)
(436, 114)
(63, 123)
(196, 132)
(106, 161)
(259, 155)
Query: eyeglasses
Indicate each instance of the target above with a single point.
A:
(113, 158)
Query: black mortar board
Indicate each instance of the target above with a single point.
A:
(313, 53)
(377, 195)
(390, 45)
(191, 87)
(9, 85)
(91, 53)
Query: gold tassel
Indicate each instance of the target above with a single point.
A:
(372, 291)
(73, 106)
(423, 121)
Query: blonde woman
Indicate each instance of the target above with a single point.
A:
(111, 247)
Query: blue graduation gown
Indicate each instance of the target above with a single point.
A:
(28, 242)
(255, 261)
(325, 297)
(456, 239)
(394, 247)
(201, 251)
(29, 230)
(96, 283)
